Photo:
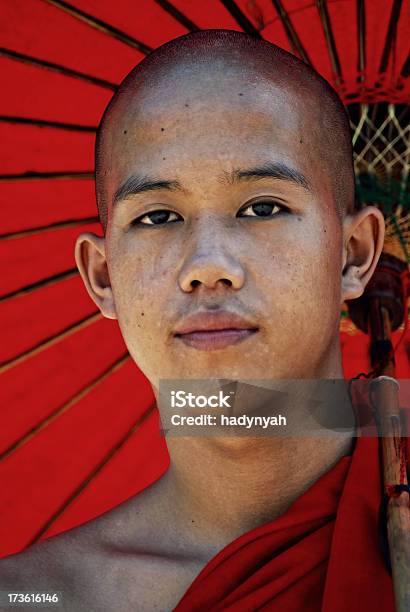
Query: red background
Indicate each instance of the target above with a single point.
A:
(78, 434)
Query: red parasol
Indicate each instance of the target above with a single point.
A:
(68, 452)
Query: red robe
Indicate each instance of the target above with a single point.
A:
(322, 554)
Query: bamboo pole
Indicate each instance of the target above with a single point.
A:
(384, 396)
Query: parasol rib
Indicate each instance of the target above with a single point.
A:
(330, 40)
(101, 25)
(38, 284)
(177, 15)
(44, 228)
(44, 283)
(391, 35)
(240, 18)
(361, 33)
(293, 38)
(44, 123)
(94, 473)
(405, 71)
(27, 59)
(57, 413)
(46, 175)
(46, 343)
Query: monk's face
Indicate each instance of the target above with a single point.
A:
(242, 221)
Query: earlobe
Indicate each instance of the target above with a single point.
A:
(92, 265)
(363, 239)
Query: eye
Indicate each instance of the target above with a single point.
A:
(261, 209)
(157, 217)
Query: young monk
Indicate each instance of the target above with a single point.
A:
(226, 192)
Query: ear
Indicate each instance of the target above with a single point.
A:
(92, 264)
(363, 239)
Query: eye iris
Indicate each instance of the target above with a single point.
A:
(159, 216)
(262, 209)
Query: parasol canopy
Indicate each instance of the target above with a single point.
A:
(78, 428)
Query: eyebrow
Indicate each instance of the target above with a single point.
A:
(139, 184)
(275, 170)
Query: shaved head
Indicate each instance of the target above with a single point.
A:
(212, 66)
(225, 182)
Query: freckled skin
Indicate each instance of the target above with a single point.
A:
(284, 273)
(287, 273)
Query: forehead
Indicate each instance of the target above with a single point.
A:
(201, 121)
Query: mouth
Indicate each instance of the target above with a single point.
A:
(214, 331)
(215, 339)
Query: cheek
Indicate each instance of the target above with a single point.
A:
(320, 278)
(140, 283)
(304, 279)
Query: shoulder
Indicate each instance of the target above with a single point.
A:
(79, 561)
(63, 563)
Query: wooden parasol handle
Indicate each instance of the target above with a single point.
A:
(381, 310)
(384, 393)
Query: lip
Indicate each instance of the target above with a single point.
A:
(210, 331)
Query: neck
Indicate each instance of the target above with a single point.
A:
(225, 486)
(229, 486)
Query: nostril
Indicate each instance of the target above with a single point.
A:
(225, 281)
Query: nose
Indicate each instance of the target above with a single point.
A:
(211, 268)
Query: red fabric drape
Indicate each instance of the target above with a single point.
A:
(323, 553)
